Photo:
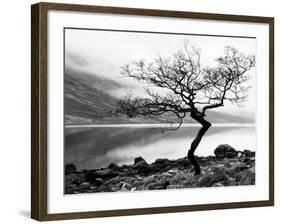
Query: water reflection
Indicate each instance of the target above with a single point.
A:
(95, 147)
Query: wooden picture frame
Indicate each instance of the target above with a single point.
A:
(39, 109)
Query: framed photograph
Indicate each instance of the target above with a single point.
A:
(141, 111)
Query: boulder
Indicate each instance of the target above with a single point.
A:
(124, 167)
(249, 153)
(225, 151)
(138, 159)
(69, 169)
(140, 163)
(98, 182)
(84, 185)
(230, 155)
(142, 167)
(113, 166)
(106, 173)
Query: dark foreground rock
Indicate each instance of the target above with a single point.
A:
(217, 171)
(225, 151)
(70, 168)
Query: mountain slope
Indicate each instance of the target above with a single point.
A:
(88, 101)
(222, 117)
(84, 101)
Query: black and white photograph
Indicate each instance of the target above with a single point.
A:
(158, 111)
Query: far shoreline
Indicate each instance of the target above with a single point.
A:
(157, 125)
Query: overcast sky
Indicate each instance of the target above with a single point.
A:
(103, 52)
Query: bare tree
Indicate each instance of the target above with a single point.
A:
(187, 87)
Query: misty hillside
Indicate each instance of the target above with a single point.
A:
(83, 100)
(88, 101)
(94, 81)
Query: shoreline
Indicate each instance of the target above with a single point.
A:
(158, 125)
(233, 169)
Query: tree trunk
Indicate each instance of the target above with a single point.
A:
(205, 126)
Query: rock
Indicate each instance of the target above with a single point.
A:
(175, 186)
(155, 168)
(241, 168)
(139, 185)
(71, 188)
(126, 187)
(93, 188)
(124, 167)
(251, 161)
(175, 176)
(103, 174)
(102, 188)
(142, 167)
(222, 150)
(140, 163)
(230, 155)
(69, 169)
(106, 173)
(183, 162)
(218, 175)
(218, 184)
(133, 189)
(249, 153)
(210, 158)
(114, 181)
(88, 176)
(77, 181)
(150, 179)
(246, 160)
(240, 154)
(69, 191)
(227, 165)
(113, 166)
(84, 185)
(125, 170)
(138, 159)
(158, 185)
(224, 169)
(248, 178)
(129, 172)
(98, 182)
(252, 169)
(205, 181)
(219, 170)
(161, 161)
(173, 171)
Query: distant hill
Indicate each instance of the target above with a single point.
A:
(88, 101)
(84, 96)
(221, 117)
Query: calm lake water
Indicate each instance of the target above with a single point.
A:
(90, 147)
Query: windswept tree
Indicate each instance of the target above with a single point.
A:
(188, 88)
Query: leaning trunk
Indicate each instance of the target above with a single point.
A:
(205, 126)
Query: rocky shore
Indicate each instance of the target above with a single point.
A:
(228, 167)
